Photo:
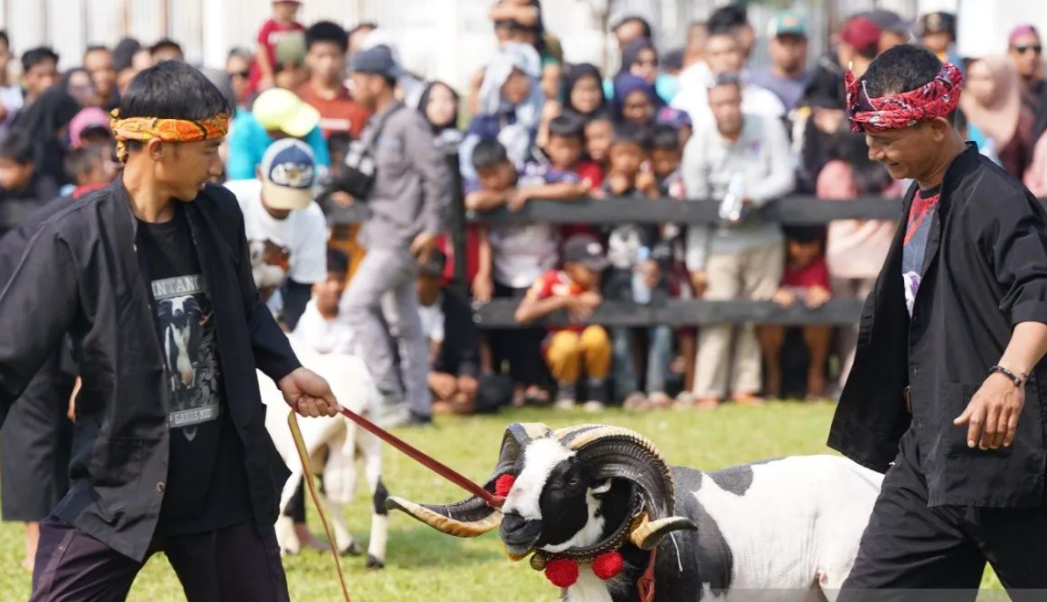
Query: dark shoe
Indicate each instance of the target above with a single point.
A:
(419, 421)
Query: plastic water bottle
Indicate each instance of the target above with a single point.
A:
(641, 292)
(731, 205)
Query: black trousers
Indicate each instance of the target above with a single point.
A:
(521, 347)
(35, 446)
(230, 564)
(912, 552)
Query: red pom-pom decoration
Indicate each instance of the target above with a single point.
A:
(503, 485)
(607, 566)
(562, 572)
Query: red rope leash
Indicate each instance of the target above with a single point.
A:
(424, 459)
(495, 501)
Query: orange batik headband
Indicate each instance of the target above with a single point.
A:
(144, 129)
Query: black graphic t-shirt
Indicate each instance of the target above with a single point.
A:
(917, 230)
(206, 486)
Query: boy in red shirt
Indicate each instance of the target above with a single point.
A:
(806, 280)
(281, 25)
(571, 349)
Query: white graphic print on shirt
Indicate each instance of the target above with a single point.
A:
(190, 352)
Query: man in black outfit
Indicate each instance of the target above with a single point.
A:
(151, 277)
(947, 391)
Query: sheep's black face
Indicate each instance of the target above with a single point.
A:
(556, 505)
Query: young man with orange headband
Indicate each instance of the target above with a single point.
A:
(151, 278)
(947, 393)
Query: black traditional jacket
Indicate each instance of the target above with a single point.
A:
(81, 275)
(984, 271)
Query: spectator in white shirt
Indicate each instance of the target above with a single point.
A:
(743, 260)
(319, 327)
(286, 231)
(723, 54)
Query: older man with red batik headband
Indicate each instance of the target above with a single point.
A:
(151, 278)
(947, 391)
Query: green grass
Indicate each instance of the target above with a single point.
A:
(425, 565)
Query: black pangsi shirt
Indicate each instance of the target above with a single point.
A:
(983, 271)
(206, 488)
(81, 274)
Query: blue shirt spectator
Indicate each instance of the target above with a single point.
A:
(276, 113)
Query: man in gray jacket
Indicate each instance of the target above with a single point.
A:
(411, 191)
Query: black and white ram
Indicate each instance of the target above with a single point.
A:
(334, 445)
(606, 518)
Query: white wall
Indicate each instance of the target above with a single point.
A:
(444, 39)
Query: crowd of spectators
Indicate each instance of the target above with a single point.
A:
(686, 123)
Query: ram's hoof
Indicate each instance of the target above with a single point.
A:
(352, 550)
(374, 563)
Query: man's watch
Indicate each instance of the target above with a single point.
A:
(1017, 380)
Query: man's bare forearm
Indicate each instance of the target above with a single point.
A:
(1027, 347)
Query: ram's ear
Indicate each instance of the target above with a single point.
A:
(647, 535)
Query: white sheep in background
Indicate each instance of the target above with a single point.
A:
(597, 505)
(334, 444)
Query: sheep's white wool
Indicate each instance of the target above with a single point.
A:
(540, 458)
(334, 445)
(802, 518)
(589, 588)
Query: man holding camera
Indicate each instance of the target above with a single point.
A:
(398, 168)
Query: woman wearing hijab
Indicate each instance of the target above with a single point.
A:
(992, 102)
(46, 122)
(509, 107)
(583, 92)
(635, 100)
(440, 105)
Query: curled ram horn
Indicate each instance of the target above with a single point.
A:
(619, 453)
(472, 517)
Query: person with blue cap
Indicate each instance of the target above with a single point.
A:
(398, 168)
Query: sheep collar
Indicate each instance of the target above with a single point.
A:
(603, 559)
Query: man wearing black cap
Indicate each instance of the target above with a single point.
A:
(408, 192)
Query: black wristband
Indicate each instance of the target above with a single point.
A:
(1018, 382)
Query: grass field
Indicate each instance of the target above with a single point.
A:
(426, 565)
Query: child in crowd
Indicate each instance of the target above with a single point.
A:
(572, 349)
(282, 24)
(343, 236)
(319, 327)
(90, 169)
(679, 120)
(513, 256)
(565, 147)
(666, 156)
(638, 257)
(454, 351)
(599, 132)
(23, 189)
(806, 281)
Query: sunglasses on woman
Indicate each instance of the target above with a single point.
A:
(1035, 48)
